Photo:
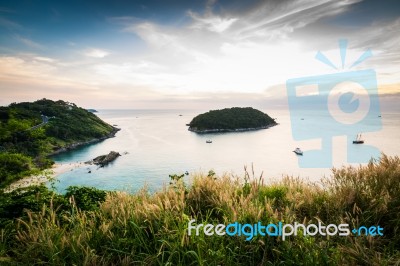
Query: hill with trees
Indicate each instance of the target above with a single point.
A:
(230, 120)
(30, 132)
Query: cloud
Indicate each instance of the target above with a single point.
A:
(222, 51)
(383, 38)
(29, 70)
(153, 34)
(265, 22)
(220, 55)
(44, 59)
(8, 24)
(96, 53)
(211, 22)
(273, 18)
(29, 42)
(267, 19)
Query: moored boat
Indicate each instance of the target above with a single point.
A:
(358, 139)
(298, 151)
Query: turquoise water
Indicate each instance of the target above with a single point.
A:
(157, 144)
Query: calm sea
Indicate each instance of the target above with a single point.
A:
(156, 143)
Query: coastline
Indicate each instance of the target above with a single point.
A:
(230, 130)
(57, 168)
(79, 144)
(46, 175)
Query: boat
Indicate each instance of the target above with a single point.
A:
(298, 151)
(358, 139)
(208, 141)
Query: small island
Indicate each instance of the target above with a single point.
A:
(231, 120)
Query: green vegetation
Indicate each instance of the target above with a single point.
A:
(151, 229)
(24, 147)
(86, 198)
(14, 166)
(231, 119)
(16, 203)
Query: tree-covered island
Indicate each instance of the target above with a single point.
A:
(231, 120)
(30, 132)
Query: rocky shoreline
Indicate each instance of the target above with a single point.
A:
(78, 144)
(229, 130)
(58, 168)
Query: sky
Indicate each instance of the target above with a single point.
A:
(189, 54)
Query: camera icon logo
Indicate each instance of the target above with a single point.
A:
(340, 104)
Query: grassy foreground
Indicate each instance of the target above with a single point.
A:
(152, 228)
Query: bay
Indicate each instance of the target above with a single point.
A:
(156, 143)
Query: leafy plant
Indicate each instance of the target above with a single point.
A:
(14, 166)
(32, 198)
(86, 198)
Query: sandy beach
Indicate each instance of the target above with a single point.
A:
(46, 175)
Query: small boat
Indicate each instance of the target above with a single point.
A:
(208, 141)
(358, 139)
(298, 151)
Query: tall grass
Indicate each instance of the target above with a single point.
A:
(151, 229)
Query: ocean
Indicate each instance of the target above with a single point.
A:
(156, 143)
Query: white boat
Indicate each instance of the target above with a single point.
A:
(298, 151)
(208, 141)
(358, 139)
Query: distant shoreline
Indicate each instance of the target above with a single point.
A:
(229, 130)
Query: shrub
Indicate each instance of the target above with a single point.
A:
(14, 166)
(33, 198)
(86, 198)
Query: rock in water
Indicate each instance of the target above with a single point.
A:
(103, 160)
